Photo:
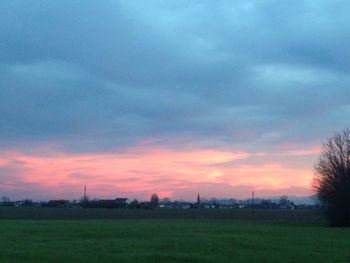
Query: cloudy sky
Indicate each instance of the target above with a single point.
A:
(176, 97)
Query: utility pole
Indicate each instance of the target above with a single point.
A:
(85, 193)
(253, 203)
(85, 197)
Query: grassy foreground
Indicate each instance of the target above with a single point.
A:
(171, 240)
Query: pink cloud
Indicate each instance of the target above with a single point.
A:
(140, 171)
(301, 152)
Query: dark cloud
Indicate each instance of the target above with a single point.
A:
(93, 76)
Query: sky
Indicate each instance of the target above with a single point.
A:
(173, 97)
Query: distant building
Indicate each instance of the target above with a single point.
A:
(197, 204)
(121, 202)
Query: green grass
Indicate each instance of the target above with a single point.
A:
(171, 240)
(99, 213)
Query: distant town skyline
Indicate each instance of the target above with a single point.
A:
(131, 98)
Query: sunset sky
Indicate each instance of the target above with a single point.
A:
(215, 97)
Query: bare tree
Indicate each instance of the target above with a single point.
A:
(332, 178)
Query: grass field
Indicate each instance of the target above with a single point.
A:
(99, 213)
(172, 240)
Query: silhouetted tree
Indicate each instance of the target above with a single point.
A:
(283, 201)
(84, 201)
(332, 179)
(134, 203)
(154, 200)
(5, 199)
(27, 202)
(166, 200)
